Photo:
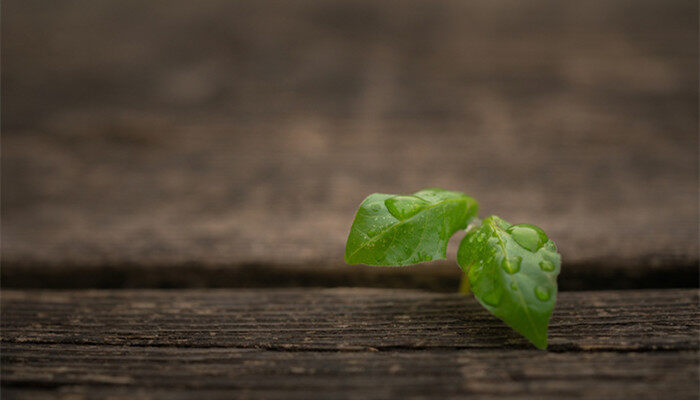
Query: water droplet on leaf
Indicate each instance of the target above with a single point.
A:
(550, 246)
(493, 298)
(511, 265)
(547, 266)
(528, 236)
(542, 293)
(403, 207)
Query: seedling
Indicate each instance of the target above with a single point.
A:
(511, 269)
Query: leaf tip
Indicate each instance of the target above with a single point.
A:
(538, 339)
(541, 344)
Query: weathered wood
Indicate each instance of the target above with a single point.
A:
(341, 343)
(341, 319)
(59, 371)
(242, 135)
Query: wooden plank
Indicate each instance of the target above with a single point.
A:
(126, 154)
(341, 319)
(71, 371)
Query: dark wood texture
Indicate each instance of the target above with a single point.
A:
(341, 343)
(340, 319)
(115, 372)
(180, 144)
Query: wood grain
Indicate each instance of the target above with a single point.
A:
(238, 136)
(341, 343)
(341, 319)
(116, 372)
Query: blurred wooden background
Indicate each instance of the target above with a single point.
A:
(179, 143)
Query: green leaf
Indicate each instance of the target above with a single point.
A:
(401, 230)
(512, 271)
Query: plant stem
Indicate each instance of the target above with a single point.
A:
(473, 224)
(464, 287)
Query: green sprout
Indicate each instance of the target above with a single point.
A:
(511, 269)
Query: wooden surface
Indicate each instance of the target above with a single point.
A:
(174, 144)
(60, 371)
(219, 144)
(342, 343)
(339, 319)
